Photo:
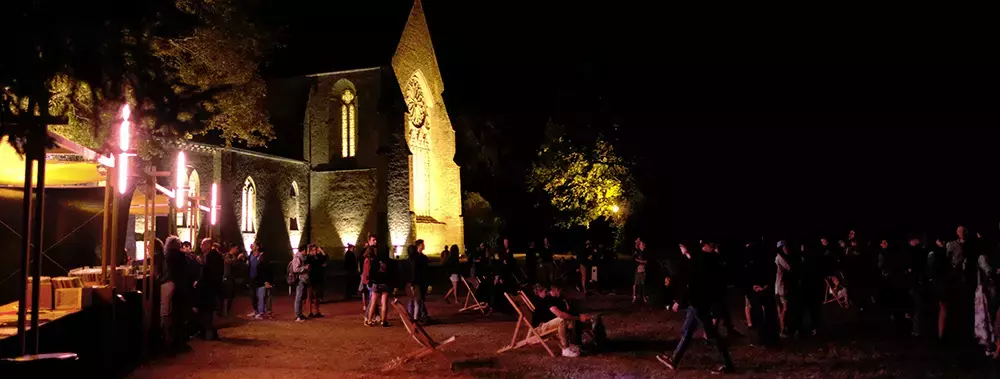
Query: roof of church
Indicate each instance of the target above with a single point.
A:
(330, 36)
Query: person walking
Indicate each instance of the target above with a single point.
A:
(316, 259)
(260, 282)
(760, 274)
(693, 281)
(419, 280)
(232, 259)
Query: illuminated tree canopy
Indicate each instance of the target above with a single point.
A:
(187, 66)
(583, 181)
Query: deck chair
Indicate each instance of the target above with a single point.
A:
(470, 297)
(527, 300)
(836, 292)
(532, 335)
(428, 345)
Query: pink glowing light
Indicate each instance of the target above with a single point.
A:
(124, 134)
(214, 189)
(181, 177)
(124, 141)
(122, 172)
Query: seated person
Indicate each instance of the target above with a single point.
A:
(552, 312)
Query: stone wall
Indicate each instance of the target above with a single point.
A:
(415, 56)
(343, 208)
(323, 119)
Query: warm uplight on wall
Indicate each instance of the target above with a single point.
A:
(181, 177)
(614, 208)
(399, 250)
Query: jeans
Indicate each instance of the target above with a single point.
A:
(417, 307)
(259, 299)
(700, 315)
(300, 296)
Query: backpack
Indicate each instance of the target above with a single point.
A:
(291, 279)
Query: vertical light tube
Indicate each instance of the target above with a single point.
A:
(181, 177)
(214, 192)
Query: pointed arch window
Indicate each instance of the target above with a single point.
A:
(248, 210)
(348, 122)
(293, 219)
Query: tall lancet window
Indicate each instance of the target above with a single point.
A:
(348, 120)
(420, 145)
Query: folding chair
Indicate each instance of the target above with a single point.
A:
(836, 292)
(533, 335)
(527, 300)
(470, 297)
(429, 346)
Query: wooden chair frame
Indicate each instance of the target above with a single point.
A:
(833, 290)
(428, 345)
(532, 335)
(470, 297)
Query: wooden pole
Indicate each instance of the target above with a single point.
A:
(106, 226)
(36, 233)
(22, 303)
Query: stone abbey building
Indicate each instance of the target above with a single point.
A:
(377, 156)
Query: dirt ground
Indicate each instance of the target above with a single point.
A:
(339, 346)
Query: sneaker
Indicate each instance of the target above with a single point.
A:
(385, 324)
(571, 351)
(300, 319)
(318, 315)
(258, 317)
(723, 370)
(666, 360)
(634, 299)
(311, 315)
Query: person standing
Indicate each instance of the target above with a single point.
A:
(546, 265)
(419, 280)
(174, 299)
(451, 267)
(915, 267)
(208, 286)
(987, 301)
(316, 259)
(351, 273)
(693, 281)
(760, 274)
(813, 285)
(786, 287)
(583, 258)
(531, 263)
(379, 280)
(232, 259)
(639, 285)
(298, 276)
(261, 281)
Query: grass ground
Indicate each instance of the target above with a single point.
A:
(339, 346)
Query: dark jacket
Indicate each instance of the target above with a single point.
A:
(694, 281)
(175, 267)
(418, 269)
(264, 272)
(210, 280)
(350, 263)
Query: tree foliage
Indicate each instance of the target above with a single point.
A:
(584, 179)
(481, 222)
(186, 66)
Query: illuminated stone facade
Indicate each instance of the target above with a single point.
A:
(377, 156)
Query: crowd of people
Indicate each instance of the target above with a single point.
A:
(948, 288)
(943, 290)
(198, 284)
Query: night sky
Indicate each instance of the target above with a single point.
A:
(730, 139)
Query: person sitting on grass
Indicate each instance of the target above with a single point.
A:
(552, 312)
